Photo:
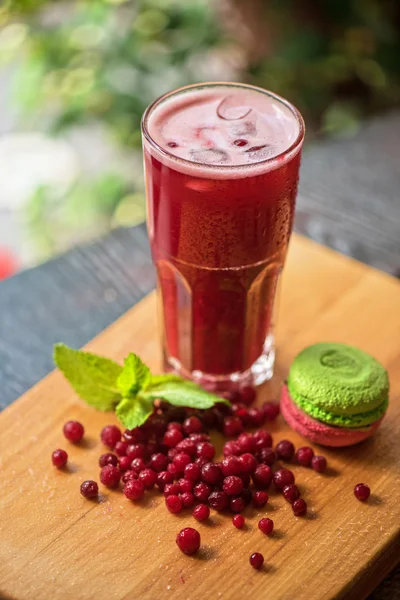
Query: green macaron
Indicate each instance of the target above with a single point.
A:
(339, 385)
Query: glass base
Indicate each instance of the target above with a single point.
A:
(261, 370)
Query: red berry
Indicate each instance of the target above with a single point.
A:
(256, 560)
(89, 489)
(192, 425)
(163, 478)
(237, 505)
(201, 512)
(231, 448)
(247, 395)
(108, 459)
(319, 464)
(181, 460)
(240, 142)
(262, 476)
(271, 410)
(246, 442)
(211, 473)
(245, 477)
(134, 489)
(125, 463)
(171, 489)
(362, 492)
(291, 492)
(256, 416)
(174, 425)
(158, 462)
(267, 456)
(282, 478)
(205, 450)
(120, 448)
(304, 456)
(202, 491)
(192, 472)
(187, 446)
(262, 439)
(260, 498)
(248, 462)
(128, 475)
(173, 503)
(238, 521)
(73, 431)
(59, 458)
(201, 461)
(148, 477)
(266, 525)
(285, 450)
(218, 500)
(232, 426)
(188, 540)
(232, 485)
(185, 485)
(199, 437)
(173, 470)
(137, 464)
(231, 465)
(299, 507)
(110, 435)
(187, 499)
(136, 451)
(172, 437)
(110, 476)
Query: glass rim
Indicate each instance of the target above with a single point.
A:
(193, 164)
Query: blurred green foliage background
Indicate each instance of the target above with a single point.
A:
(104, 61)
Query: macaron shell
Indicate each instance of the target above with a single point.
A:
(318, 432)
(341, 380)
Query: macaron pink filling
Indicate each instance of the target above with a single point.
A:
(319, 432)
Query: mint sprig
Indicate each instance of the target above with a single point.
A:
(129, 390)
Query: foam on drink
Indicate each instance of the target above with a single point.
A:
(221, 126)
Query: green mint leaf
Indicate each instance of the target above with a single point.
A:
(182, 393)
(134, 412)
(92, 377)
(134, 377)
(159, 379)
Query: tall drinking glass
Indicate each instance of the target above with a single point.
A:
(221, 164)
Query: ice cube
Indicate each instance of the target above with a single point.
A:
(243, 129)
(210, 156)
(261, 152)
(231, 109)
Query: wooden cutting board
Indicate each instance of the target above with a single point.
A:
(56, 545)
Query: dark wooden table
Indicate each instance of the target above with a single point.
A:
(349, 200)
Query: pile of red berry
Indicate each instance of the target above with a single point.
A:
(173, 453)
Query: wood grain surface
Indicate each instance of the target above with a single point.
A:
(56, 545)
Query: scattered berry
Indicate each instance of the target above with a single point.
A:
(137, 464)
(120, 448)
(205, 450)
(248, 463)
(267, 456)
(232, 426)
(319, 464)
(201, 512)
(108, 459)
(231, 465)
(202, 491)
(125, 463)
(172, 437)
(188, 540)
(247, 395)
(218, 500)
(262, 476)
(110, 435)
(188, 499)
(110, 476)
(73, 431)
(238, 521)
(134, 489)
(260, 499)
(148, 477)
(192, 472)
(362, 492)
(285, 450)
(304, 456)
(185, 485)
(237, 505)
(158, 462)
(271, 410)
(232, 485)
(59, 458)
(173, 503)
(192, 425)
(291, 492)
(262, 439)
(89, 489)
(256, 560)
(163, 478)
(299, 507)
(181, 460)
(266, 525)
(211, 473)
(282, 478)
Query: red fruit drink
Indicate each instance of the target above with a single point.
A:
(221, 164)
